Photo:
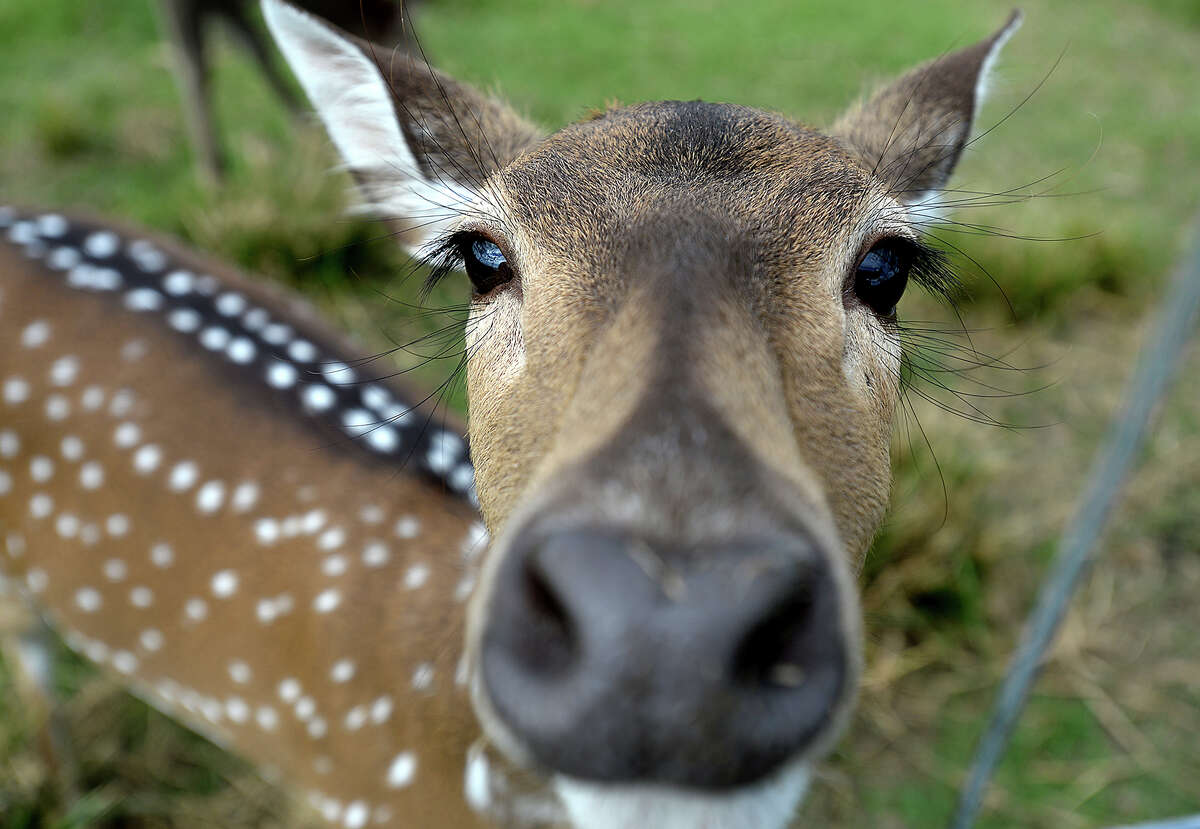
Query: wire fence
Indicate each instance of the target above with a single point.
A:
(1156, 365)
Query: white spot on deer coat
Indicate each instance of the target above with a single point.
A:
(343, 671)
(266, 530)
(184, 320)
(151, 639)
(241, 351)
(245, 496)
(210, 497)
(289, 690)
(57, 407)
(92, 398)
(239, 672)
(88, 599)
(230, 304)
(134, 350)
(416, 576)
(141, 596)
(67, 525)
(276, 334)
(267, 718)
(101, 244)
(115, 570)
(356, 815)
(147, 458)
(63, 258)
(36, 579)
(318, 398)
(375, 554)
(422, 679)
(16, 390)
(161, 555)
(312, 521)
(183, 476)
(127, 435)
(402, 770)
(334, 565)
(117, 524)
(381, 710)
(237, 709)
(64, 370)
(41, 468)
(143, 299)
(305, 708)
(332, 538)
(255, 319)
(302, 351)
(214, 338)
(35, 334)
(282, 375)
(121, 403)
(41, 505)
(327, 601)
(52, 225)
(178, 283)
(224, 584)
(72, 448)
(356, 718)
(10, 444)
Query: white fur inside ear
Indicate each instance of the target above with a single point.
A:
(984, 78)
(355, 104)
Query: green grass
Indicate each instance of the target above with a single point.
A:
(91, 119)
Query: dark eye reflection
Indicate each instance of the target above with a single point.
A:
(485, 264)
(882, 275)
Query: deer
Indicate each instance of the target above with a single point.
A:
(682, 368)
(188, 24)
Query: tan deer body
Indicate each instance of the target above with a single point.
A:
(196, 519)
(683, 367)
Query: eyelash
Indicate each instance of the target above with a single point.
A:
(931, 267)
(445, 257)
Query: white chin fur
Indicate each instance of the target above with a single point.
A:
(769, 805)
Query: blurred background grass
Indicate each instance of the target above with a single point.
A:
(91, 118)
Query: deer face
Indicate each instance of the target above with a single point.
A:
(683, 367)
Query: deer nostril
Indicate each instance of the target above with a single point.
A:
(774, 651)
(552, 643)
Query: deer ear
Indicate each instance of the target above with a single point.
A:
(419, 143)
(912, 132)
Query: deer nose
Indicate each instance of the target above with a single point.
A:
(614, 661)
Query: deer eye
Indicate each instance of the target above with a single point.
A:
(882, 275)
(485, 264)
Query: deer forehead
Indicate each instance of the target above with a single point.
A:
(599, 186)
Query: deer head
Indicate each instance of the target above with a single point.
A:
(683, 370)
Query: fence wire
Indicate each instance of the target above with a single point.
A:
(1150, 380)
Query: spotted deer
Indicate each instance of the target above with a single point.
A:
(683, 365)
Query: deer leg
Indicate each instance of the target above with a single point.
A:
(27, 648)
(185, 24)
(251, 35)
